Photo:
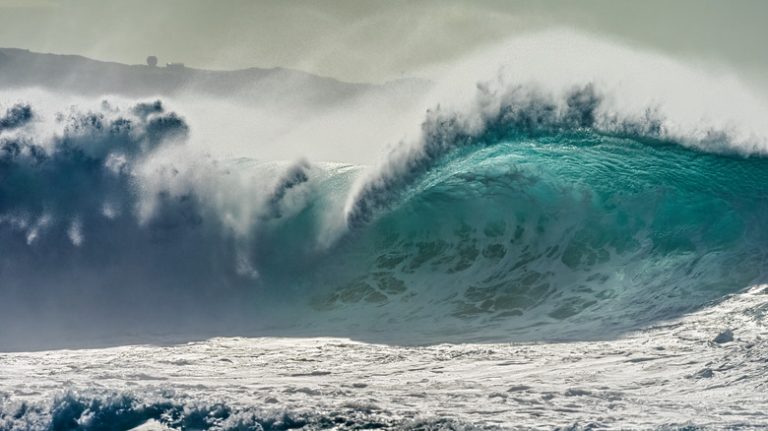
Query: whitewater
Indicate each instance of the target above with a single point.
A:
(570, 238)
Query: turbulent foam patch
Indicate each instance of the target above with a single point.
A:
(125, 411)
(107, 205)
(15, 116)
(88, 161)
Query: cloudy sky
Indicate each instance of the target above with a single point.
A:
(360, 40)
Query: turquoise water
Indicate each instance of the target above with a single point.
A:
(557, 235)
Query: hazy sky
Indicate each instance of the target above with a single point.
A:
(362, 40)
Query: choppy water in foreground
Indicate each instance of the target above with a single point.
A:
(673, 376)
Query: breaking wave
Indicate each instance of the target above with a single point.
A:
(528, 213)
(549, 211)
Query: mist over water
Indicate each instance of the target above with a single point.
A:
(504, 200)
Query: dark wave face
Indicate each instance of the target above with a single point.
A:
(543, 217)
